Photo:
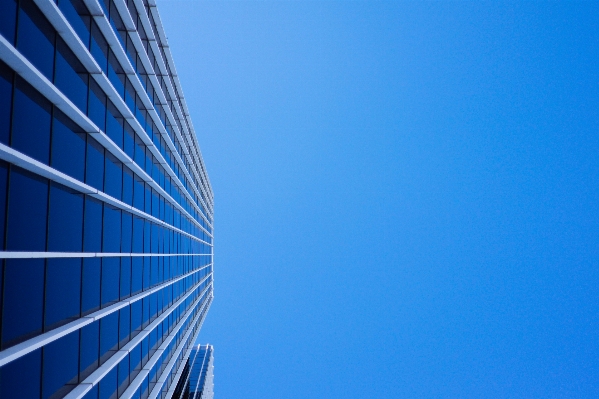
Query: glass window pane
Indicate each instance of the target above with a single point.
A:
(138, 234)
(138, 193)
(127, 186)
(23, 300)
(125, 277)
(109, 330)
(123, 375)
(90, 339)
(112, 229)
(68, 146)
(92, 228)
(99, 47)
(65, 222)
(129, 140)
(27, 211)
(35, 38)
(3, 198)
(108, 385)
(6, 85)
(114, 176)
(63, 291)
(97, 105)
(136, 274)
(114, 125)
(127, 227)
(31, 122)
(21, 378)
(60, 373)
(110, 280)
(90, 293)
(124, 326)
(94, 169)
(79, 18)
(71, 77)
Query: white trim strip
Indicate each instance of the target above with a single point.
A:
(29, 255)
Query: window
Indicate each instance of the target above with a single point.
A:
(90, 338)
(94, 170)
(90, 293)
(6, 84)
(21, 378)
(110, 280)
(31, 122)
(68, 146)
(136, 274)
(109, 329)
(65, 222)
(112, 229)
(35, 38)
(92, 227)
(115, 125)
(60, 372)
(27, 211)
(99, 47)
(127, 186)
(23, 300)
(114, 176)
(125, 277)
(124, 326)
(71, 77)
(97, 105)
(108, 385)
(63, 291)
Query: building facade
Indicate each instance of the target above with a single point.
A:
(106, 209)
(197, 377)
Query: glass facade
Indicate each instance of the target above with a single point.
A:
(106, 209)
(197, 378)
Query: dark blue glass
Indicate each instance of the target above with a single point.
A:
(71, 77)
(68, 146)
(155, 204)
(148, 198)
(116, 74)
(123, 375)
(112, 229)
(124, 325)
(31, 122)
(138, 193)
(63, 291)
(61, 364)
(115, 125)
(138, 234)
(144, 349)
(78, 16)
(127, 230)
(113, 184)
(127, 186)
(110, 280)
(90, 292)
(140, 153)
(154, 271)
(3, 199)
(27, 211)
(147, 236)
(130, 95)
(23, 300)
(134, 361)
(35, 38)
(21, 378)
(92, 393)
(65, 222)
(109, 330)
(94, 165)
(6, 84)
(146, 274)
(129, 144)
(136, 274)
(99, 47)
(92, 227)
(97, 105)
(90, 339)
(108, 385)
(8, 19)
(125, 277)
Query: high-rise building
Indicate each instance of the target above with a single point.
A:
(197, 377)
(106, 210)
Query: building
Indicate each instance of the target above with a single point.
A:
(197, 378)
(106, 210)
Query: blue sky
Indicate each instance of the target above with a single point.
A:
(406, 195)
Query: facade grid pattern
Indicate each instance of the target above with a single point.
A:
(106, 209)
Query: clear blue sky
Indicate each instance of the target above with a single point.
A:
(407, 195)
